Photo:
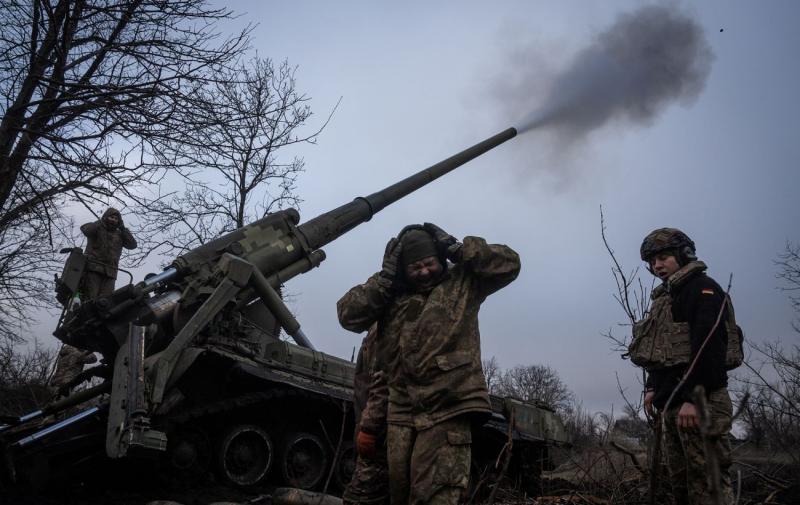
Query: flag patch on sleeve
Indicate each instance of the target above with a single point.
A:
(708, 291)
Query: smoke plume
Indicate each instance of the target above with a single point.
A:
(646, 60)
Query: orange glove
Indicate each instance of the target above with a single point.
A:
(366, 445)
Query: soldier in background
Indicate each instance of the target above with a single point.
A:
(370, 482)
(427, 315)
(106, 238)
(686, 307)
(69, 364)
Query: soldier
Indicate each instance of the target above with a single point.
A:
(370, 482)
(427, 331)
(106, 238)
(69, 364)
(690, 334)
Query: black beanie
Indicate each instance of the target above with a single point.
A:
(417, 244)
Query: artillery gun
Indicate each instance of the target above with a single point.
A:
(194, 372)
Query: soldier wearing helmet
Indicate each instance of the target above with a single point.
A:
(689, 338)
(425, 301)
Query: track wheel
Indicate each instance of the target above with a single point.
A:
(346, 465)
(188, 453)
(245, 454)
(304, 461)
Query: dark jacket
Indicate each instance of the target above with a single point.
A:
(696, 301)
(104, 245)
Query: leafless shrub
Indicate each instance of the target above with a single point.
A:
(771, 416)
(789, 272)
(632, 294)
(581, 425)
(24, 372)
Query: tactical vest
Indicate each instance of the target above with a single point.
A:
(659, 342)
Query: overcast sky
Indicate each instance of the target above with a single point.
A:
(420, 80)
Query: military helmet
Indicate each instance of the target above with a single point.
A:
(664, 239)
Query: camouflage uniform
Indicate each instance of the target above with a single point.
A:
(431, 353)
(370, 481)
(686, 454)
(685, 308)
(69, 364)
(103, 250)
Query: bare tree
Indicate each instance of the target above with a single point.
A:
(789, 264)
(243, 167)
(89, 92)
(491, 371)
(23, 376)
(535, 383)
(772, 411)
(23, 287)
(581, 425)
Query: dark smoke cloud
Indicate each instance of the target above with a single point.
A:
(646, 60)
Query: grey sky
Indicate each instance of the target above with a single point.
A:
(417, 85)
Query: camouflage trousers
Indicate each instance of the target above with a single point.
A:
(685, 453)
(429, 466)
(95, 284)
(369, 484)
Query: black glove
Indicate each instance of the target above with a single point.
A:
(390, 260)
(447, 244)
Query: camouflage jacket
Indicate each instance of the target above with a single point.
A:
(370, 391)
(429, 341)
(69, 364)
(104, 246)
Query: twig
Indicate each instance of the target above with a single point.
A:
(630, 454)
(507, 449)
(772, 481)
(623, 283)
(337, 453)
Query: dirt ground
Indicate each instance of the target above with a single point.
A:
(596, 476)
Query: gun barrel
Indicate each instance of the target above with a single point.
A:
(328, 227)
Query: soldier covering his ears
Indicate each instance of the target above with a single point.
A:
(426, 312)
(106, 238)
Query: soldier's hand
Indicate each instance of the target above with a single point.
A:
(447, 244)
(688, 417)
(366, 445)
(391, 257)
(648, 403)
